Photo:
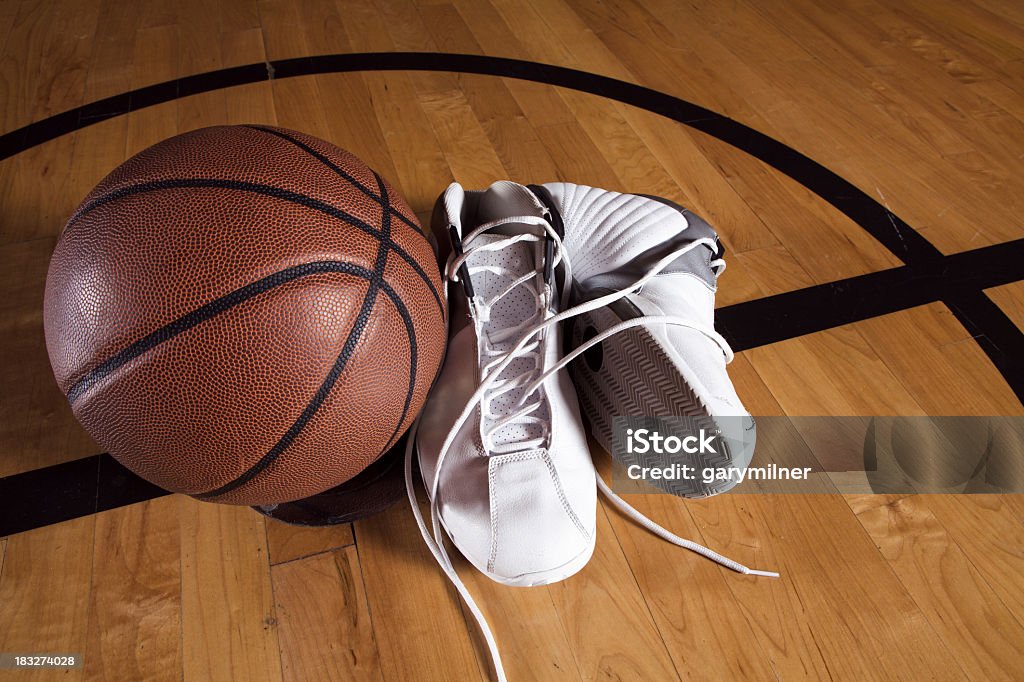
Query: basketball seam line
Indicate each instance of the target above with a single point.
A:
(384, 204)
(386, 245)
(207, 312)
(403, 311)
(409, 328)
(257, 188)
(313, 406)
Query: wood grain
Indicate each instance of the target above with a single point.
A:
(44, 592)
(287, 543)
(323, 619)
(417, 620)
(229, 628)
(960, 378)
(991, 535)
(918, 104)
(839, 601)
(976, 625)
(134, 625)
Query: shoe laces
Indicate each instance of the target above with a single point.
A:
(528, 344)
(494, 339)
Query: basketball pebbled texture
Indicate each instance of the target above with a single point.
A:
(245, 314)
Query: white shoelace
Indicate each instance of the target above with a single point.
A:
(528, 345)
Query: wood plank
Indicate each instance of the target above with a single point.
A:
(827, 374)
(420, 629)
(608, 617)
(134, 625)
(282, 25)
(511, 134)
(353, 123)
(43, 71)
(1010, 298)
(156, 59)
(960, 378)
(111, 68)
(198, 32)
(241, 15)
(841, 601)
(737, 283)
(44, 593)
(702, 180)
(8, 13)
(472, 160)
(974, 624)
(540, 103)
(421, 168)
(253, 102)
(158, 13)
(287, 543)
(229, 627)
(575, 156)
(407, 27)
(704, 627)
(774, 268)
(528, 627)
(37, 191)
(325, 627)
(636, 168)
(38, 428)
(990, 535)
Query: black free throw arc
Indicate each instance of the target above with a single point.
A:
(814, 307)
(987, 322)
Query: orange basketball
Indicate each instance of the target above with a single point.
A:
(245, 314)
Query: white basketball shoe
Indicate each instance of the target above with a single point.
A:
(501, 446)
(507, 470)
(651, 370)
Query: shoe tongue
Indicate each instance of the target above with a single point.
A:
(504, 199)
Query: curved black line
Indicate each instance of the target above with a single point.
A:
(385, 244)
(897, 236)
(98, 483)
(406, 318)
(411, 333)
(266, 190)
(743, 324)
(312, 407)
(834, 304)
(204, 313)
(385, 206)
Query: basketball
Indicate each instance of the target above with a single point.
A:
(245, 314)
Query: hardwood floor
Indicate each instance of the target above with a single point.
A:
(920, 104)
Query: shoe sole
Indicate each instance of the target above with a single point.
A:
(631, 375)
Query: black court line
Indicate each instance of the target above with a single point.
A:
(68, 491)
(928, 276)
(896, 235)
(792, 314)
(768, 320)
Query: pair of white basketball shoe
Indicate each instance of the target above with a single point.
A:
(501, 443)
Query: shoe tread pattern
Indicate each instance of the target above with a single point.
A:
(632, 381)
